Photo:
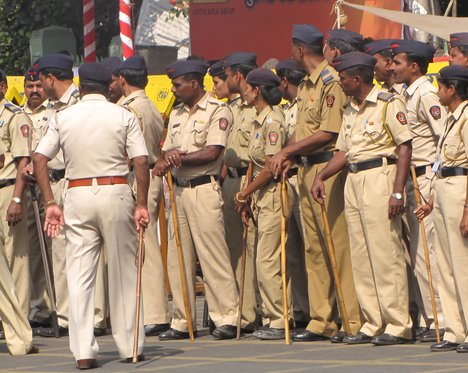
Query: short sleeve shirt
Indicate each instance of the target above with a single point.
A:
(37, 122)
(364, 136)
(207, 123)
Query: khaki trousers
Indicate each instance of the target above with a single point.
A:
(15, 241)
(452, 256)
(322, 300)
(18, 333)
(97, 216)
(377, 253)
(418, 262)
(201, 227)
(234, 229)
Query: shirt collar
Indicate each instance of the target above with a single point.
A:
(65, 99)
(202, 104)
(263, 114)
(139, 93)
(413, 86)
(313, 77)
(459, 110)
(94, 96)
(371, 97)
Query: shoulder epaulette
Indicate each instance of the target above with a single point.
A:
(13, 108)
(385, 96)
(326, 76)
(126, 103)
(76, 94)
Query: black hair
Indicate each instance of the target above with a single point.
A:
(272, 95)
(243, 68)
(342, 46)
(464, 50)
(195, 76)
(362, 43)
(421, 61)
(58, 73)
(366, 73)
(387, 53)
(3, 76)
(461, 86)
(135, 78)
(98, 88)
(315, 49)
(221, 76)
(294, 76)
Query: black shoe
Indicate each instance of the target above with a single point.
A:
(99, 332)
(84, 364)
(173, 334)
(430, 335)
(462, 348)
(307, 336)
(269, 334)
(2, 335)
(50, 332)
(386, 339)
(338, 337)
(301, 323)
(359, 338)
(37, 324)
(444, 346)
(156, 329)
(418, 332)
(225, 332)
(140, 357)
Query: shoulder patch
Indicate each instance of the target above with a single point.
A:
(330, 100)
(273, 137)
(223, 124)
(401, 117)
(385, 96)
(13, 108)
(326, 76)
(435, 112)
(25, 130)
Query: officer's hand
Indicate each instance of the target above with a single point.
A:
(53, 221)
(240, 201)
(464, 223)
(2, 160)
(141, 218)
(395, 207)
(276, 163)
(246, 214)
(160, 168)
(318, 190)
(28, 172)
(13, 213)
(422, 211)
(174, 157)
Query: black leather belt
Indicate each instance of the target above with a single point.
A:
(196, 181)
(355, 167)
(236, 172)
(452, 171)
(421, 170)
(309, 160)
(292, 172)
(7, 182)
(56, 175)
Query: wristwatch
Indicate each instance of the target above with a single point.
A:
(397, 196)
(16, 200)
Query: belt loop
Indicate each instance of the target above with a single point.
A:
(111, 180)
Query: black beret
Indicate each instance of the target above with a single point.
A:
(263, 76)
(217, 68)
(415, 47)
(378, 46)
(55, 61)
(352, 59)
(244, 58)
(133, 63)
(94, 72)
(182, 67)
(32, 74)
(459, 39)
(289, 64)
(308, 34)
(455, 72)
(345, 35)
(112, 64)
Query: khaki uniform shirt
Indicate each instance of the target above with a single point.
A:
(207, 123)
(397, 89)
(115, 131)
(290, 116)
(320, 100)
(15, 133)
(453, 145)
(37, 118)
(426, 117)
(363, 135)
(267, 137)
(70, 97)
(151, 122)
(237, 146)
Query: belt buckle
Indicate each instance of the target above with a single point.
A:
(183, 183)
(439, 173)
(353, 167)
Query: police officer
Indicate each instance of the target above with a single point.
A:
(291, 75)
(375, 143)
(15, 134)
(425, 121)
(236, 158)
(459, 49)
(115, 94)
(220, 87)
(320, 102)
(133, 80)
(99, 208)
(193, 149)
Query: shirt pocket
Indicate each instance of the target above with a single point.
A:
(199, 133)
(174, 134)
(244, 133)
(453, 148)
(376, 131)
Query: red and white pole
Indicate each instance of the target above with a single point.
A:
(89, 33)
(125, 21)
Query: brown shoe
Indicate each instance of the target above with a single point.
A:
(84, 364)
(33, 350)
(140, 357)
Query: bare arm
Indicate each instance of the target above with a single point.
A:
(14, 211)
(396, 207)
